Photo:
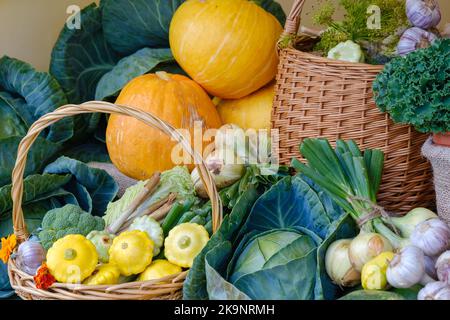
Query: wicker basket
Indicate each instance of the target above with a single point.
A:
(165, 288)
(319, 97)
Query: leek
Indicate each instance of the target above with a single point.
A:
(352, 178)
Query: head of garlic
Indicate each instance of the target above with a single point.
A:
(30, 256)
(424, 14)
(431, 236)
(225, 167)
(434, 291)
(414, 39)
(443, 267)
(406, 268)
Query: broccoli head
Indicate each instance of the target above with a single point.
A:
(70, 219)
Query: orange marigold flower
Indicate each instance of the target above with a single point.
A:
(8, 245)
(43, 279)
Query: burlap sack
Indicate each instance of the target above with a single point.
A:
(440, 160)
(122, 180)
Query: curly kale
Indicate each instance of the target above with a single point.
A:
(70, 219)
(416, 89)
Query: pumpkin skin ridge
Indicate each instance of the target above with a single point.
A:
(257, 35)
(132, 145)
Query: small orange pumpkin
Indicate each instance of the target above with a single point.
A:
(138, 150)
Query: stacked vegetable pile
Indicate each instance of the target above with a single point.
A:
(317, 234)
(98, 60)
(143, 236)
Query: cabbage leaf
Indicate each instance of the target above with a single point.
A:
(137, 64)
(176, 180)
(294, 204)
(131, 25)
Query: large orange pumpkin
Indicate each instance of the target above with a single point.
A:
(227, 46)
(138, 150)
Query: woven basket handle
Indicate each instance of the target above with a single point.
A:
(293, 20)
(20, 229)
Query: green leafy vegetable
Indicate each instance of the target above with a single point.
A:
(131, 25)
(379, 42)
(27, 95)
(35, 187)
(274, 8)
(137, 64)
(42, 152)
(82, 56)
(69, 219)
(176, 180)
(70, 182)
(226, 268)
(93, 185)
(416, 89)
(350, 178)
(88, 151)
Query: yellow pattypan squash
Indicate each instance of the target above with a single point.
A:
(104, 274)
(373, 274)
(158, 269)
(131, 251)
(184, 242)
(72, 259)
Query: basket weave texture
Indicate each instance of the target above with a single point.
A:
(166, 288)
(319, 97)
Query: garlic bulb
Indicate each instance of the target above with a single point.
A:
(432, 236)
(430, 274)
(414, 39)
(423, 13)
(225, 167)
(434, 291)
(30, 256)
(407, 268)
(443, 267)
(338, 265)
(365, 247)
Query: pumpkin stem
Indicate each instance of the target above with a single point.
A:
(163, 75)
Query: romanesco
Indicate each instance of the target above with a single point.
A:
(69, 219)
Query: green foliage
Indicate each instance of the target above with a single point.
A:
(69, 219)
(294, 205)
(176, 180)
(274, 8)
(354, 25)
(66, 181)
(416, 89)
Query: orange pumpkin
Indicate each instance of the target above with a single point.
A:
(138, 150)
(226, 46)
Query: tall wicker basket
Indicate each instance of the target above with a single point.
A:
(166, 288)
(319, 97)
